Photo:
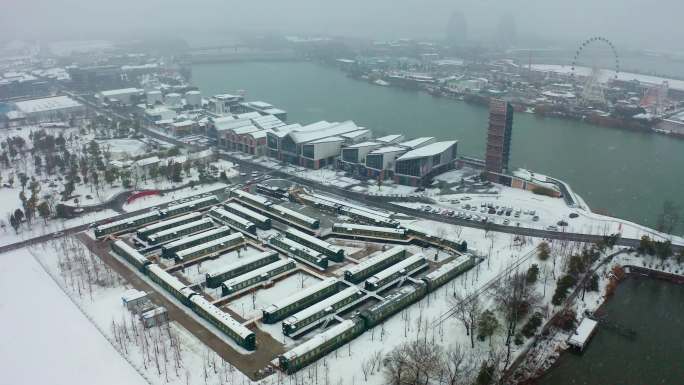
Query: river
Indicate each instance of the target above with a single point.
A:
(628, 174)
(655, 310)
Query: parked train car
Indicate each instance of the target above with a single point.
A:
(301, 299)
(189, 206)
(213, 246)
(370, 266)
(369, 218)
(320, 345)
(130, 254)
(449, 271)
(180, 231)
(365, 231)
(299, 251)
(261, 221)
(224, 322)
(231, 219)
(294, 217)
(169, 250)
(262, 274)
(250, 199)
(170, 283)
(395, 272)
(242, 266)
(317, 313)
(331, 251)
(274, 191)
(128, 224)
(167, 224)
(392, 304)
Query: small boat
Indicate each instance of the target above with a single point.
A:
(381, 82)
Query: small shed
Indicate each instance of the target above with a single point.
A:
(135, 300)
(583, 334)
(154, 317)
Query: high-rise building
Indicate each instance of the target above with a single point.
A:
(498, 138)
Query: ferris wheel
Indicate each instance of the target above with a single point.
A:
(592, 90)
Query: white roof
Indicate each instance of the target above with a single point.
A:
(242, 262)
(384, 150)
(46, 104)
(260, 104)
(181, 218)
(311, 135)
(248, 115)
(356, 133)
(364, 144)
(583, 332)
(363, 265)
(296, 214)
(390, 138)
(413, 143)
(354, 226)
(231, 124)
(324, 284)
(119, 92)
(210, 244)
(221, 213)
(399, 266)
(250, 213)
(195, 237)
(328, 139)
(429, 150)
(182, 227)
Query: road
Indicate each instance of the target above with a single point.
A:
(382, 202)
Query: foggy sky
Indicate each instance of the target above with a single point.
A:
(629, 23)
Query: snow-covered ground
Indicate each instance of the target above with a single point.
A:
(45, 338)
(153, 200)
(197, 273)
(249, 306)
(124, 148)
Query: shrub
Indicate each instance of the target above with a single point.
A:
(531, 326)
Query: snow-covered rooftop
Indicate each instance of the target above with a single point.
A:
(583, 333)
(413, 143)
(384, 150)
(390, 138)
(46, 104)
(335, 130)
(429, 150)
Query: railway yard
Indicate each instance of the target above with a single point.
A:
(269, 276)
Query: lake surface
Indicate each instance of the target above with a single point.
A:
(628, 174)
(655, 310)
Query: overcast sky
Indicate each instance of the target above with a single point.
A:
(629, 23)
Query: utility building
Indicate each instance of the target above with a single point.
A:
(499, 140)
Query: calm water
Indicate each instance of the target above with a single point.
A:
(655, 310)
(626, 173)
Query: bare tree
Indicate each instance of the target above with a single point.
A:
(468, 312)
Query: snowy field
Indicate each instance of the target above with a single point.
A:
(154, 200)
(249, 306)
(46, 339)
(124, 148)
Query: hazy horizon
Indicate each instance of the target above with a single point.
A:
(536, 23)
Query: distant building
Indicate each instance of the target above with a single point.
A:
(417, 167)
(498, 139)
(46, 109)
(135, 300)
(319, 144)
(224, 104)
(354, 156)
(123, 96)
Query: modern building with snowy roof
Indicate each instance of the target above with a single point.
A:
(121, 96)
(354, 157)
(224, 103)
(388, 139)
(316, 148)
(418, 142)
(380, 162)
(56, 107)
(418, 166)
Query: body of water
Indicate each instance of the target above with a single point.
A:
(655, 310)
(629, 174)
